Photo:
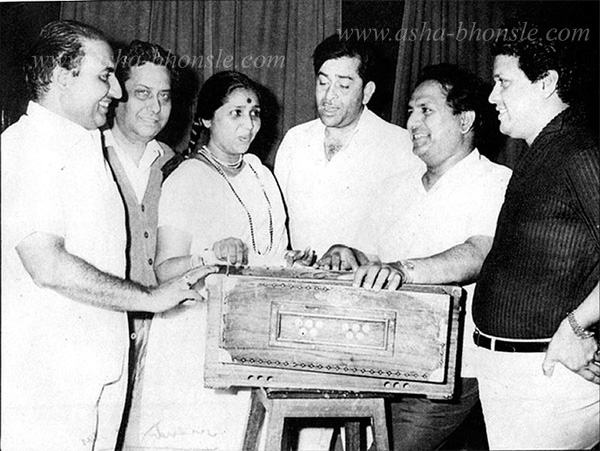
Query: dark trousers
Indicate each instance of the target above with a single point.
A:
(423, 424)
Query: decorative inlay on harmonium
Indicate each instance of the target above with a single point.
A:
(304, 329)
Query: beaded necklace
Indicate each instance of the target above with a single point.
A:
(212, 160)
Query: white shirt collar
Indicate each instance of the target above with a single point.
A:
(152, 147)
(366, 116)
(138, 175)
(461, 169)
(65, 130)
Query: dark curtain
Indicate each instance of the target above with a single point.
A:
(270, 41)
(428, 18)
(455, 32)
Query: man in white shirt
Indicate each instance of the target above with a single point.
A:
(146, 73)
(434, 225)
(64, 295)
(329, 168)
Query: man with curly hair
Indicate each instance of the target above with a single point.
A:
(536, 301)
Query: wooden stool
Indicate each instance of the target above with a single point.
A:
(307, 406)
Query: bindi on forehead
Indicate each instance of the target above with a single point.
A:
(248, 100)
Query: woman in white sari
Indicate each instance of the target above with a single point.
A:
(220, 205)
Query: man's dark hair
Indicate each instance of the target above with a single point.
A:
(537, 55)
(59, 44)
(138, 53)
(464, 92)
(335, 47)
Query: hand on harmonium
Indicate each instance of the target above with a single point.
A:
(339, 258)
(232, 251)
(300, 258)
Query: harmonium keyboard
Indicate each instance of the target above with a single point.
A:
(308, 330)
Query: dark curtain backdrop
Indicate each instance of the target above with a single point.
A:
(437, 25)
(427, 18)
(470, 48)
(275, 40)
(271, 41)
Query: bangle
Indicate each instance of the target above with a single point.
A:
(577, 329)
(196, 261)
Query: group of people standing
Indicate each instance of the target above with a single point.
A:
(103, 261)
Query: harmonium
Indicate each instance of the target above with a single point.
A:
(305, 329)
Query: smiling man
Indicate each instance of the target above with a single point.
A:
(440, 234)
(146, 74)
(328, 168)
(536, 303)
(64, 292)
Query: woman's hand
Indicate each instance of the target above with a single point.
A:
(231, 250)
(302, 258)
(341, 258)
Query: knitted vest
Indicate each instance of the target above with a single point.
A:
(142, 219)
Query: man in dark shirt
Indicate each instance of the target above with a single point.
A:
(537, 295)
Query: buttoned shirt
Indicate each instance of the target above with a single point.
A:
(327, 199)
(546, 253)
(408, 221)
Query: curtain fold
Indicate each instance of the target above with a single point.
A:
(271, 41)
(446, 31)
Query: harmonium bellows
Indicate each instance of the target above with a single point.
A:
(304, 329)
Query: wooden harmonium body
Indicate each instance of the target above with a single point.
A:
(294, 329)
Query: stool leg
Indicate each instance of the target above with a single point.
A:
(276, 436)
(275, 424)
(380, 434)
(256, 419)
(353, 436)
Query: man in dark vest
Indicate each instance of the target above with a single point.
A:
(136, 157)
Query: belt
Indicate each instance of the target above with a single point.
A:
(496, 344)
